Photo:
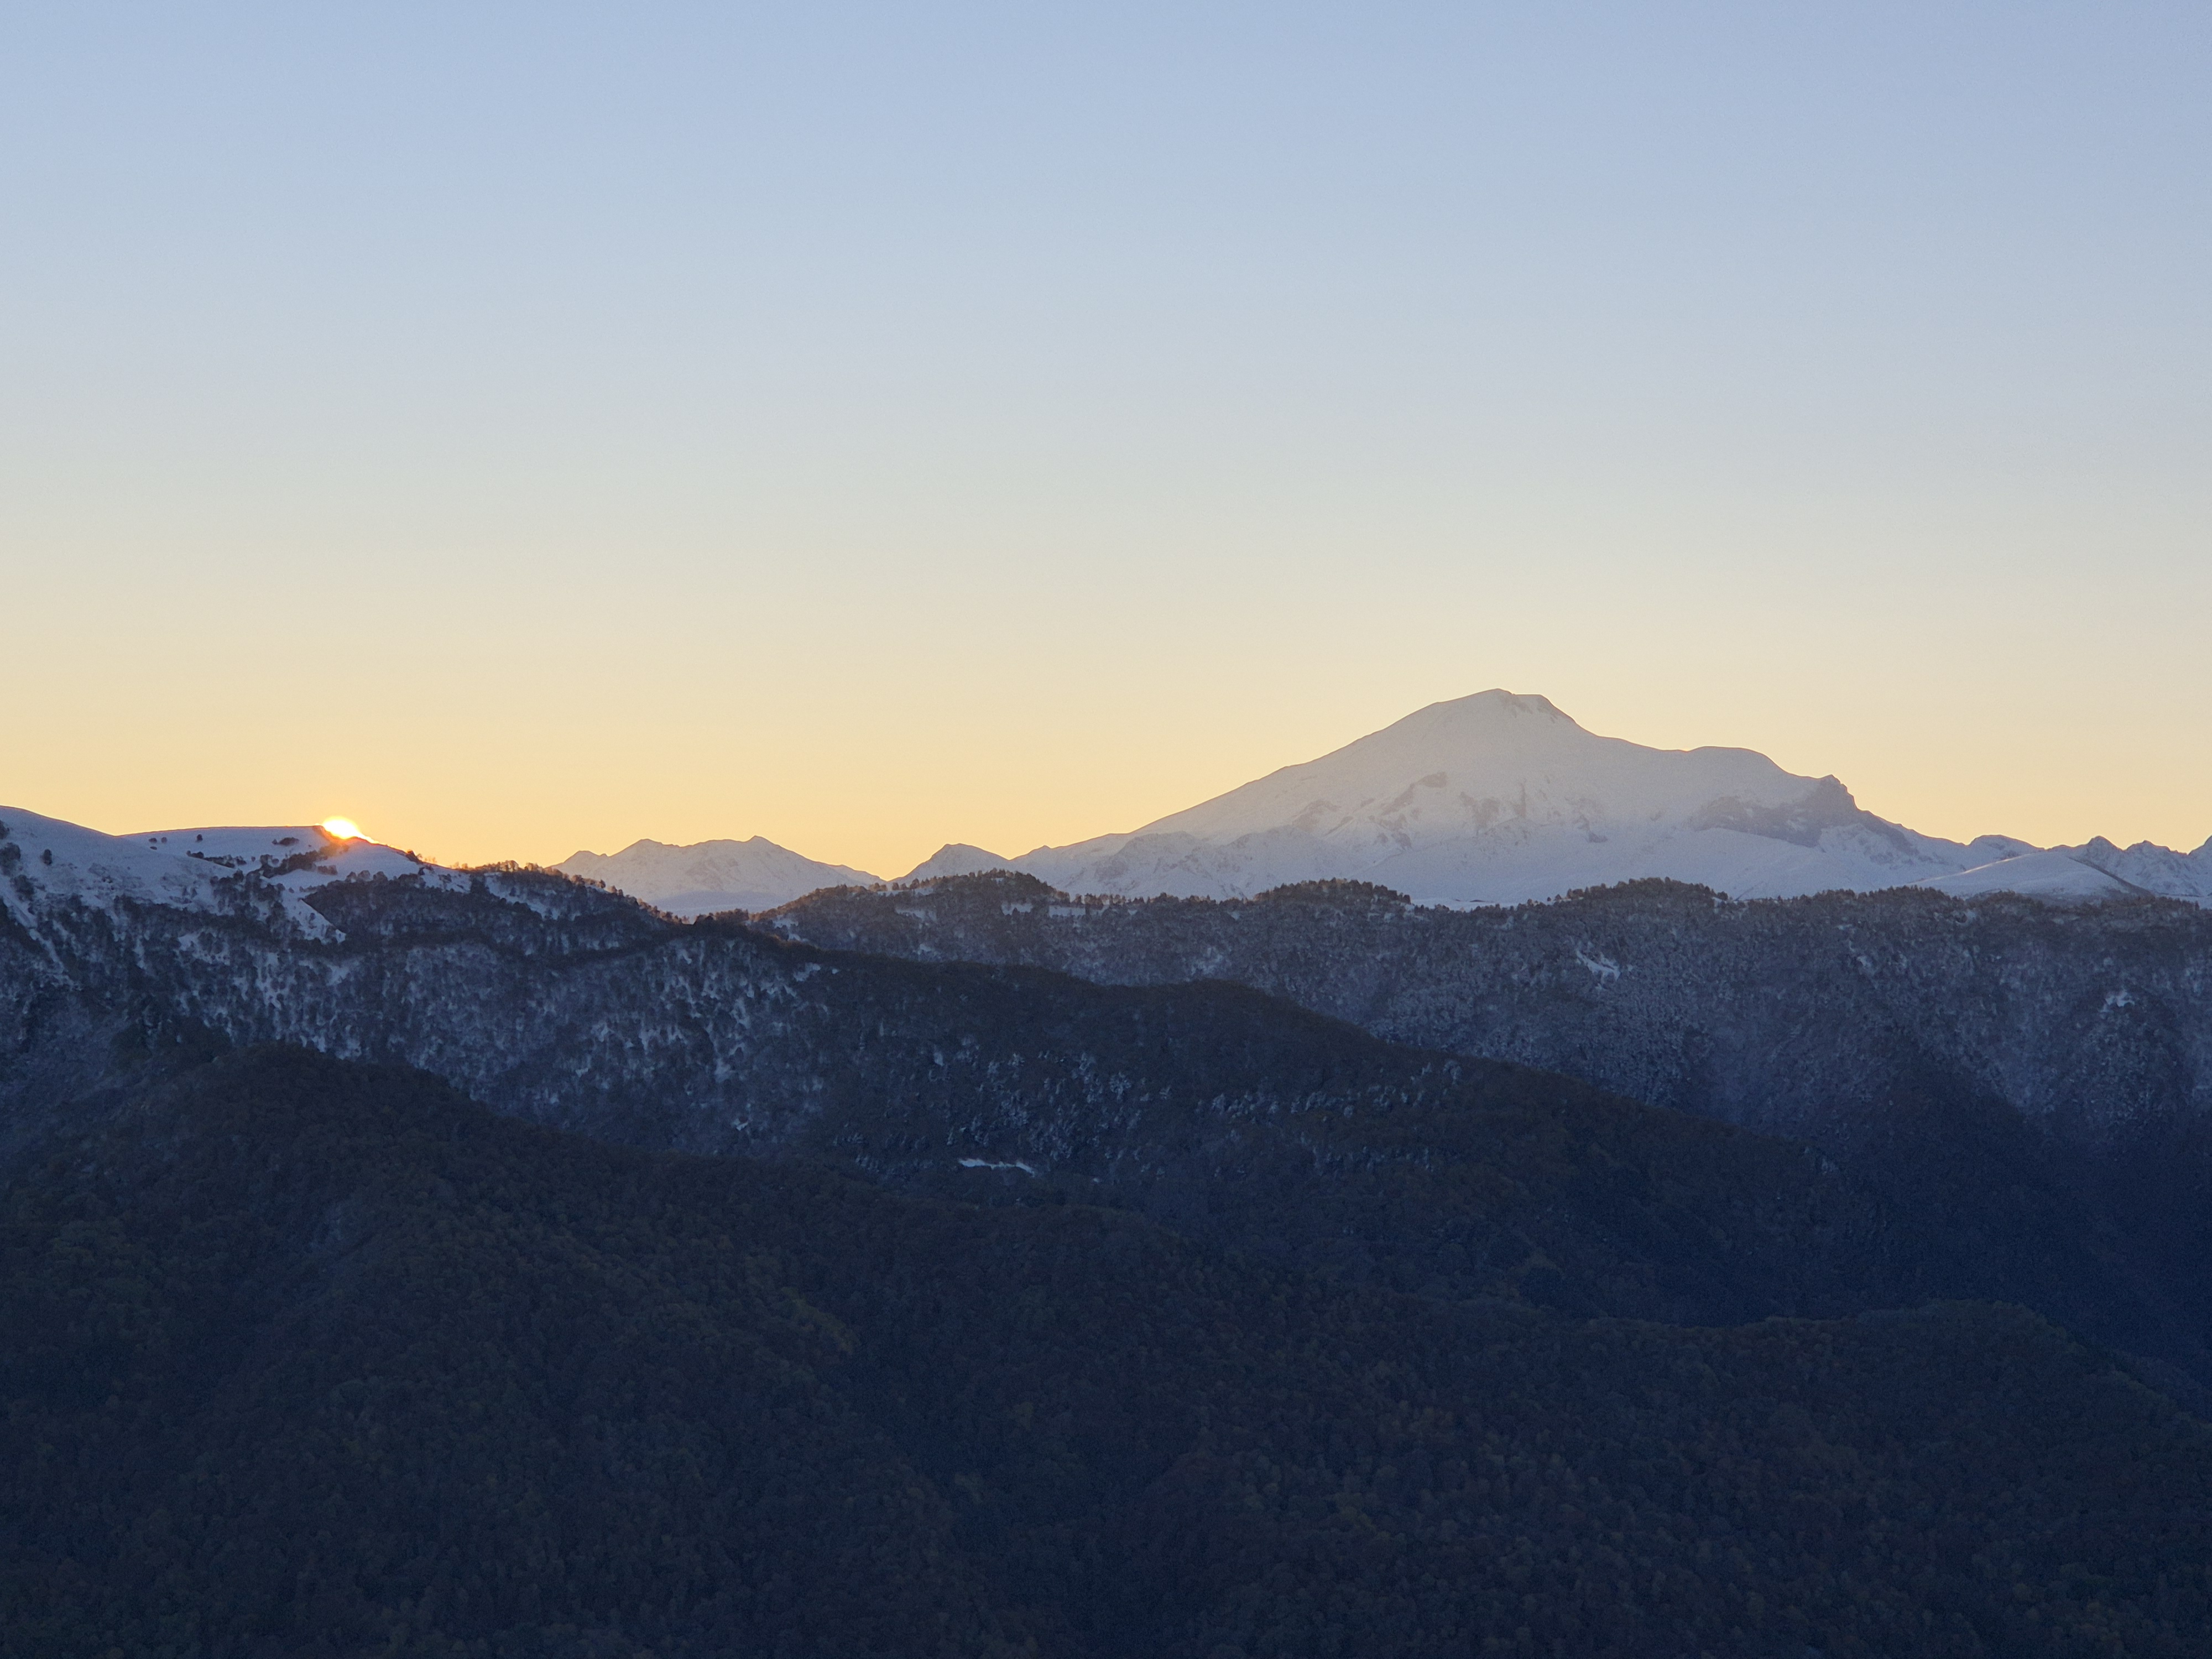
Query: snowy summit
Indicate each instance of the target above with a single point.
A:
(45, 859)
(1497, 798)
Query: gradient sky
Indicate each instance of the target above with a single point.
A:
(522, 428)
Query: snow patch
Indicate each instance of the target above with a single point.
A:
(1601, 967)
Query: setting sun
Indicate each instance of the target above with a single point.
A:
(344, 829)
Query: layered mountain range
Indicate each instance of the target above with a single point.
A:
(1494, 798)
(422, 1260)
(1817, 1017)
(2009, 1087)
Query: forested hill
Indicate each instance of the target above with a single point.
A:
(1785, 1014)
(1942, 1053)
(811, 1302)
(312, 1358)
(1236, 1118)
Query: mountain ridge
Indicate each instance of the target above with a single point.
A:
(753, 874)
(1497, 798)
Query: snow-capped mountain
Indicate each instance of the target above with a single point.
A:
(1496, 799)
(220, 870)
(711, 875)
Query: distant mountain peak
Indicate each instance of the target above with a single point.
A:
(1495, 703)
(956, 858)
(707, 876)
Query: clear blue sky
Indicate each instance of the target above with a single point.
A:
(522, 427)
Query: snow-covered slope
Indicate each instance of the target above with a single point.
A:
(2096, 870)
(2151, 868)
(1495, 798)
(711, 875)
(2055, 875)
(43, 859)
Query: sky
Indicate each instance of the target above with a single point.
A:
(522, 428)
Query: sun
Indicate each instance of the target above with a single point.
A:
(342, 828)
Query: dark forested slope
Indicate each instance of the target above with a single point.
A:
(1234, 1117)
(1946, 1055)
(308, 1358)
(1786, 1013)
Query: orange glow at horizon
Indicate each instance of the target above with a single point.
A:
(344, 829)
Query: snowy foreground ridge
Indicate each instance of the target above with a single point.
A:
(1489, 800)
(218, 870)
